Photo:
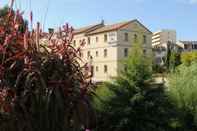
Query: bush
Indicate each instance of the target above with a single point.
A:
(188, 57)
(183, 91)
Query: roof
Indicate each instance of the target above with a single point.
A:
(88, 28)
(189, 42)
(113, 27)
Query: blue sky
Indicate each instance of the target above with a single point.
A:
(155, 14)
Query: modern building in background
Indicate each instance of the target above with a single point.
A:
(163, 36)
(188, 45)
(107, 45)
(161, 41)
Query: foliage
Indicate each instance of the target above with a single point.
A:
(130, 103)
(158, 68)
(172, 57)
(174, 60)
(183, 91)
(41, 90)
(188, 57)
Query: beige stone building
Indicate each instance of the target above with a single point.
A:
(107, 45)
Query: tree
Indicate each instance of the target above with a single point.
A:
(175, 60)
(129, 102)
(172, 57)
(41, 90)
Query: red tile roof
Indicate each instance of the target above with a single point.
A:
(88, 28)
(101, 28)
(113, 27)
(110, 28)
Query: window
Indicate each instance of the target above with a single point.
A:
(97, 69)
(135, 38)
(194, 46)
(74, 43)
(185, 46)
(126, 37)
(105, 52)
(84, 40)
(105, 37)
(97, 39)
(126, 52)
(88, 40)
(144, 39)
(144, 51)
(92, 70)
(88, 54)
(81, 54)
(105, 69)
(97, 54)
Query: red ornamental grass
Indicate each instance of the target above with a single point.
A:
(29, 67)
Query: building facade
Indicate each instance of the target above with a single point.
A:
(188, 45)
(107, 45)
(161, 41)
(163, 36)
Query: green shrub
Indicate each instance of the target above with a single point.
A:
(129, 102)
(183, 92)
